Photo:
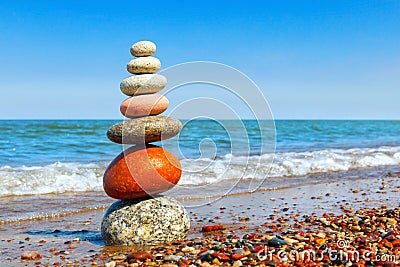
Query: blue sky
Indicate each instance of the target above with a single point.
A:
(311, 59)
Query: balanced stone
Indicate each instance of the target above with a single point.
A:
(144, 130)
(145, 222)
(143, 65)
(143, 84)
(141, 171)
(144, 105)
(143, 49)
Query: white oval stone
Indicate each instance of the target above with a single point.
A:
(143, 65)
(143, 84)
(143, 49)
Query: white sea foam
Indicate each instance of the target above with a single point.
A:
(54, 178)
(287, 164)
(63, 177)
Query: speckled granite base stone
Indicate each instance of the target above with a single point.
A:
(145, 222)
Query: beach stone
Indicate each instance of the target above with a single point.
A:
(143, 84)
(172, 258)
(140, 171)
(110, 264)
(30, 255)
(144, 130)
(145, 222)
(277, 242)
(144, 105)
(143, 49)
(142, 65)
(140, 256)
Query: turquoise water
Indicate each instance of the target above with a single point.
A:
(42, 142)
(301, 135)
(56, 156)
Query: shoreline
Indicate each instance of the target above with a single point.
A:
(54, 205)
(76, 238)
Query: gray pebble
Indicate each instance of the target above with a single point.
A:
(276, 242)
(239, 251)
(144, 130)
(143, 84)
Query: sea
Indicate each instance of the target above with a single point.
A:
(57, 166)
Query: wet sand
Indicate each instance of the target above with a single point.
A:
(75, 240)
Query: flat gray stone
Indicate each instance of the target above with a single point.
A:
(143, 84)
(145, 222)
(144, 130)
(142, 65)
(143, 49)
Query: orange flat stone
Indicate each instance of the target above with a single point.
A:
(144, 105)
(141, 171)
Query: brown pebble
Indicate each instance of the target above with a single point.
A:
(140, 256)
(30, 255)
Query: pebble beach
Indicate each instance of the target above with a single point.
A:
(344, 222)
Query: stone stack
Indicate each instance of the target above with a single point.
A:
(142, 171)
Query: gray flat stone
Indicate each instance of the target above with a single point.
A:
(145, 222)
(143, 84)
(144, 130)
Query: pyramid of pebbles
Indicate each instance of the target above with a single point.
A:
(141, 172)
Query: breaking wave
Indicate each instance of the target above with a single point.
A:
(61, 177)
